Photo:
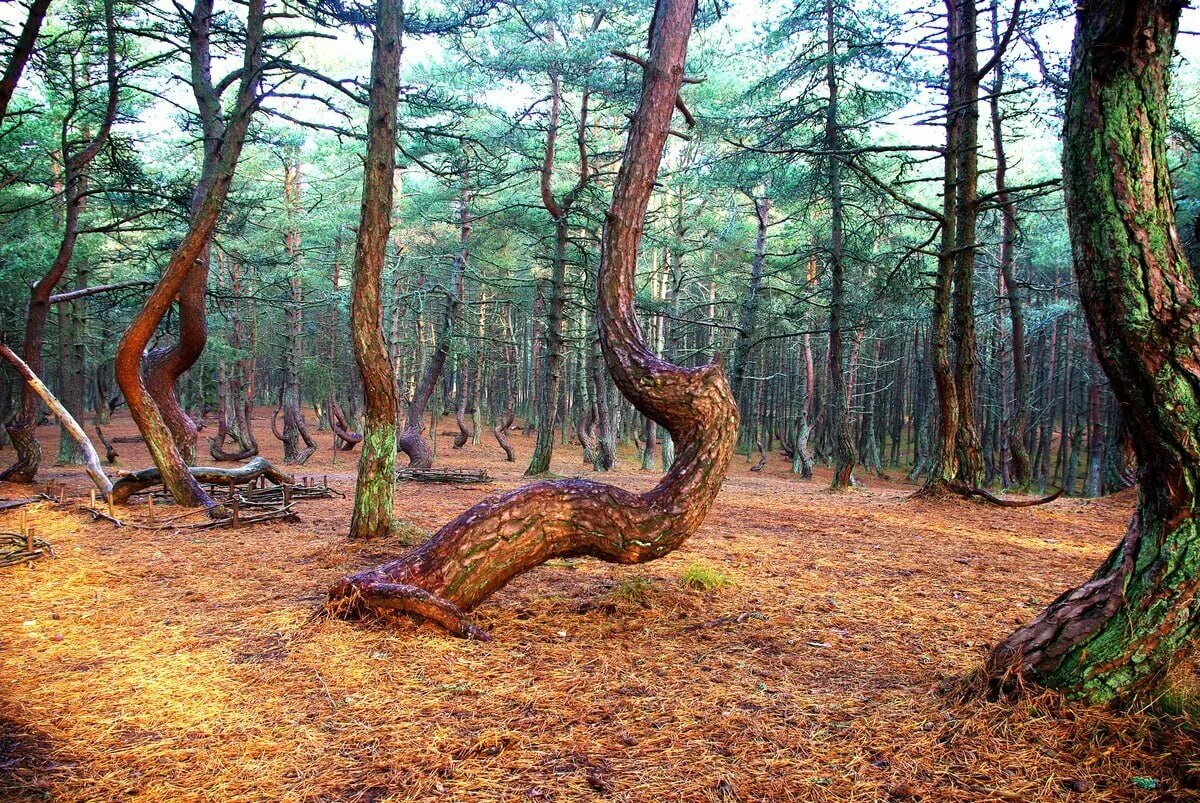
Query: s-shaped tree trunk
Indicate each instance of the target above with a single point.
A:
(503, 536)
(149, 416)
(1120, 630)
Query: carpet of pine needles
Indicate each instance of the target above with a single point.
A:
(180, 666)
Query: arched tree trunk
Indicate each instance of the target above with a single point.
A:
(150, 418)
(1121, 630)
(376, 483)
(504, 536)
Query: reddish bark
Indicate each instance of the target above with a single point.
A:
(154, 421)
(504, 536)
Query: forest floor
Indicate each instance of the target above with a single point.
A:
(184, 665)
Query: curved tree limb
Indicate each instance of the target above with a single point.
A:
(504, 536)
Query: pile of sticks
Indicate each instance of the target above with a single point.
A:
(22, 547)
(459, 476)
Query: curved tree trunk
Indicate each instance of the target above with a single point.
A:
(376, 483)
(153, 421)
(1121, 630)
(504, 536)
(412, 440)
(164, 365)
(22, 428)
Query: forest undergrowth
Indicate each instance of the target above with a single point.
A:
(183, 665)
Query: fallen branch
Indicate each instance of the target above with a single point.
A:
(91, 459)
(16, 548)
(139, 481)
(13, 504)
(110, 454)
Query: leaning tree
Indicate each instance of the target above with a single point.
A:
(1120, 630)
(151, 413)
(501, 537)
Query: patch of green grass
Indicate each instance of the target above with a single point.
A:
(1179, 700)
(635, 590)
(406, 533)
(703, 578)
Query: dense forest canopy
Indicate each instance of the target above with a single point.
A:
(474, 117)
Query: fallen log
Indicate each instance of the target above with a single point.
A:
(138, 481)
(91, 459)
(458, 476)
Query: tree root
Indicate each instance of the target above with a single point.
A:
(968, 492)
(353, 601)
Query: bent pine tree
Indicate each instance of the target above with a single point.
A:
(501, 537)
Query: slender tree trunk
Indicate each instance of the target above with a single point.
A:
(548, 397)
(843, 440)
(294, 429)
(377, 461)
(964, 105)
(412, 441)
(1018, 427)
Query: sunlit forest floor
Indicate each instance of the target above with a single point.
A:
(187, 665)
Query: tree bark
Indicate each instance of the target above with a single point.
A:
(149, 416)
(1121, 630)
(22, 428)
(376, 484)
(504, 536)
